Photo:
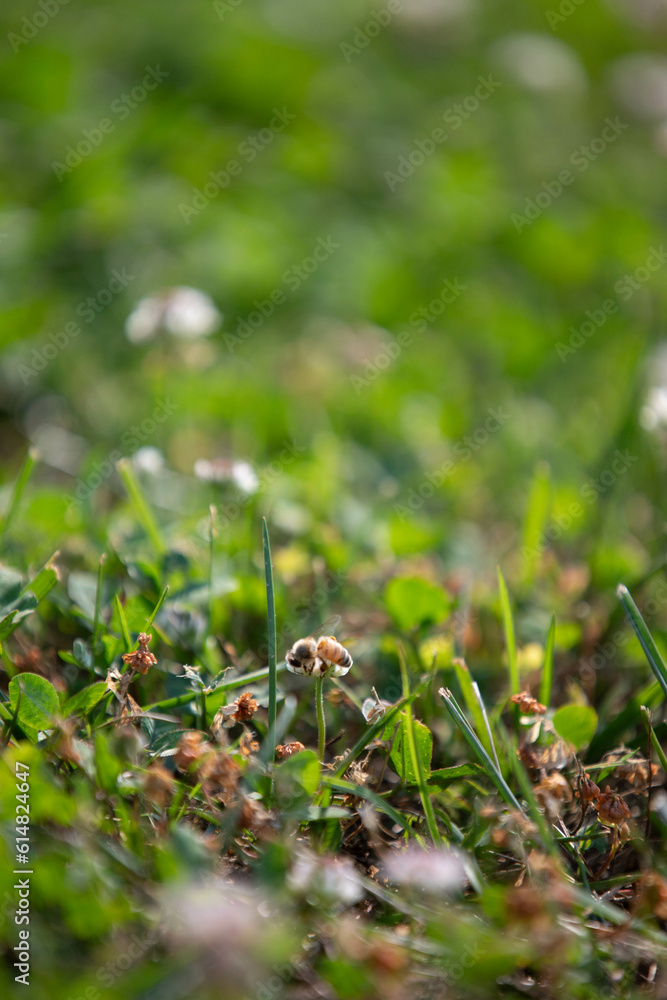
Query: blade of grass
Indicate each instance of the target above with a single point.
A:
(476, 745)
(627, 719)
(374, 731)
(536, 518)
(646, 640)
(123, 624)
(351, 788)
(472, 703)
(98, 604)
(510, 634)
(46, 579)
(427, 805)
(271, 616)
(236, 682)
(24, 475)
(655, 742)
(487, 725)
(546, 681)
(160, 602)
(142, 508)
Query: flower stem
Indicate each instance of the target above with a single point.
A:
(321, 722)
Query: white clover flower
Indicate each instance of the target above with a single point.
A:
(329, 879)
(182, 311)
(148, 459)
(224, 470)
(191, 313)
(439, 871)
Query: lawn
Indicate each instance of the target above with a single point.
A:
(346, 315)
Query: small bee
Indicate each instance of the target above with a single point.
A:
(319, 655)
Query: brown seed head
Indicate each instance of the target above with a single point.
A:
(612, 810)
(158, 784)
(189, 752)
(285, 750)
(141, 659)
(527, 704)
(588, 790)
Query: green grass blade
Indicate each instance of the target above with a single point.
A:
(351, 788)
(539, 501)
(245, 680)
(375, 730)
(471, 701)
(627, 719)
(645, 638)
(427, 805)
(123, 624)
(24, 475)
(46, 579)
(474, 742)
(486, 723)
(655, 742)
(546, 683)
(161, 600)
(271, 617)
(510, 634)
(144, 513)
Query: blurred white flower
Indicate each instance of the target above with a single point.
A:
(325, 878)
(437, 870)
(640, 83)
(148, 459)
(182, 311)
(539, 62)
(653, 414)
(224, 470)
(647, 13)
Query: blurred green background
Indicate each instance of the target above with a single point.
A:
(389, 274)
(114, 120)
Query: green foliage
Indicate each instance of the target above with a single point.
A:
(34, 700)
(576, 724)
(412, 602)
(400, 752)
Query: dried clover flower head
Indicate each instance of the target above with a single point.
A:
(552, 791)
(612, 810)
(653, 894)
(284, 750)
(248, 744)
(527, 704)
(241, 710)
(588, 790)
(158, 785)
(141, 659)
(190, 751)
